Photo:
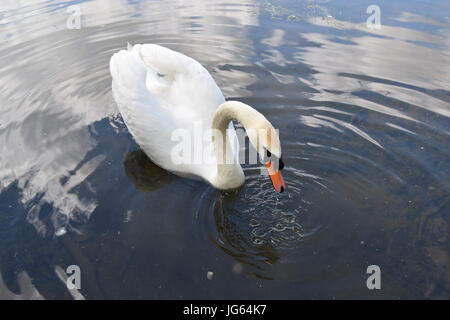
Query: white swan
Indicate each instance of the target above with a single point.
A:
(160, 91)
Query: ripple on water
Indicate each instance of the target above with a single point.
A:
(259, 226)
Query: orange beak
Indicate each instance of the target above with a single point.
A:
(277, 179)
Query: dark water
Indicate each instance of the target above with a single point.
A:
(364, 121)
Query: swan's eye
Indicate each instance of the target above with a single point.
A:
(268, 153)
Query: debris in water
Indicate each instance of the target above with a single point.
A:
(60, 232)
(237, 267)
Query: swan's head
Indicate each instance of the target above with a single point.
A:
(265, 140)
(261, 133)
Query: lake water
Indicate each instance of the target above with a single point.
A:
(363, 115)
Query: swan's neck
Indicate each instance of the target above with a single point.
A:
(229, 172)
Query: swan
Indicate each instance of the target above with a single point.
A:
(160, 92)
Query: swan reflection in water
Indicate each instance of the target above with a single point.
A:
(144, 173)
(232, 239)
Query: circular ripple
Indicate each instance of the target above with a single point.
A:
(260, 227)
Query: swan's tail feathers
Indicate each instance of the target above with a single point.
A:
(165, 61)
(127, 71)
(129, 46)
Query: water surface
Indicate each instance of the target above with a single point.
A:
(364, 121)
